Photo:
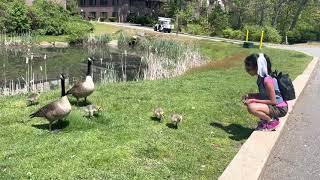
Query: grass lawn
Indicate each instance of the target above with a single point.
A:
(100, 28)
(124, 142)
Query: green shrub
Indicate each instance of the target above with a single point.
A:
(254, 32)
(232, 34)
(195, 29)
(76, 30)
(227, 33)
(303, 34)
(237, 34)
(271, 34)
(142, 20)
(50, 17)
(16, 19)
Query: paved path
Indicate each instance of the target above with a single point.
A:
(296, 156)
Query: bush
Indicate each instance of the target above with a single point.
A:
(271, 34)
(50, 17)
(195, 29)
(237, 34)
(16, 19)
(254, 32)
(227, 33)
(142, 20)
(232, 34)
(302, 35)
(77, 30)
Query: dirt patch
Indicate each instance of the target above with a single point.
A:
(221, 64)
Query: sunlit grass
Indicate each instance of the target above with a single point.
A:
(124, 142)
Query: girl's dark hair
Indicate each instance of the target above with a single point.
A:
(251, 61)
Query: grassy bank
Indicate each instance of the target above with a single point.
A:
(124, 142)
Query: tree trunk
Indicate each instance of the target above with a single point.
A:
(261, 16)
(277, 10)
(262, 12)
(302, 4)
(240, 19)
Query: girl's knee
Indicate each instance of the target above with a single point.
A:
(252, 108)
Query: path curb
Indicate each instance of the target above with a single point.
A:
(252, 156)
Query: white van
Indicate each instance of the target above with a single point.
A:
(164, 25)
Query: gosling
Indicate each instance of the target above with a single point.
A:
(176, 119)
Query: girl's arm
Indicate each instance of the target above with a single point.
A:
(253, 96)
(270, 92)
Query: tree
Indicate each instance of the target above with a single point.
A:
(277, 9)
(300, 8)
(17, 19)
(3, 15)
(218, 20)
(72, 7)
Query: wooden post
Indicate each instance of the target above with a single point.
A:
(177, 19)
(261, 39)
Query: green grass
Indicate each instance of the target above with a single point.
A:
(219, 50)
(124, 142)
(105, 28)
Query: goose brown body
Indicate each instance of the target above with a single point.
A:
(56, 110)
(85, 88)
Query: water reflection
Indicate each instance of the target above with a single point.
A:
(25, 69)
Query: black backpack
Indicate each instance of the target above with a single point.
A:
(285, 85)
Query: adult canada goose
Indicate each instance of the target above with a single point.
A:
(56, 110)
(158, 113)
(85, 88)
(176, 119)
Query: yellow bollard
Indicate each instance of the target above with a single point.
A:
(247, 36)
(261, 40)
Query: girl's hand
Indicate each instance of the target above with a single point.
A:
(245, 97)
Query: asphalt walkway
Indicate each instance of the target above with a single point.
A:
(296, 156)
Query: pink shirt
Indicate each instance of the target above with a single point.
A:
(269, 80)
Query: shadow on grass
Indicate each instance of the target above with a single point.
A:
(95, 115)
(32, 104)
(172, 126)
(155, 119)
(55, 126)
(237, 131)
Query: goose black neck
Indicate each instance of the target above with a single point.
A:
(89, 68)
(63, 90)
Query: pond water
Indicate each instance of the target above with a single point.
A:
(18, 66)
